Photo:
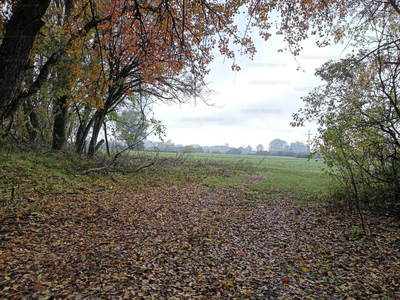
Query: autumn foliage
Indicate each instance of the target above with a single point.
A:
(90, 58)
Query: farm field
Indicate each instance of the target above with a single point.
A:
(188, 227)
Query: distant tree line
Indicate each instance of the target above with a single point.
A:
(277, 147)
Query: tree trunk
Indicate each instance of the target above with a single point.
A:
(83, 130)
(60, 110)
(60, 113)
(33, 125)
(105, 135)
(20, 33)
(80, 139)
(98, 122)
(99, 145)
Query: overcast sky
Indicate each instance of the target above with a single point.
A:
(252, 106)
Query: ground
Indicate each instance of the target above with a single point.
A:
(190, 238)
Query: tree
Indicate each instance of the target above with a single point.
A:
(161, 53)
(169, 146)
(161, 146)
(19, 41)
(190, 28)
(16, 44)
(234, 151)
(357, 110)
(185, 33)
(260, 148)
(199, 150)
(115, 49)
(189, 149)
(132, 127)
(248, 149)
(358, 114)
(277, 145)
(60, 107)
(299, 147)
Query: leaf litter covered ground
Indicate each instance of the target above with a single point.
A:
(185, 241)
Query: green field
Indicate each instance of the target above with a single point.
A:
(33, 173)
(288, 176)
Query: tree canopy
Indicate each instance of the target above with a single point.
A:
(84, 58)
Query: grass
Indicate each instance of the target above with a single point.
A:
(227, 232)
(287, 176)
(32, 174)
